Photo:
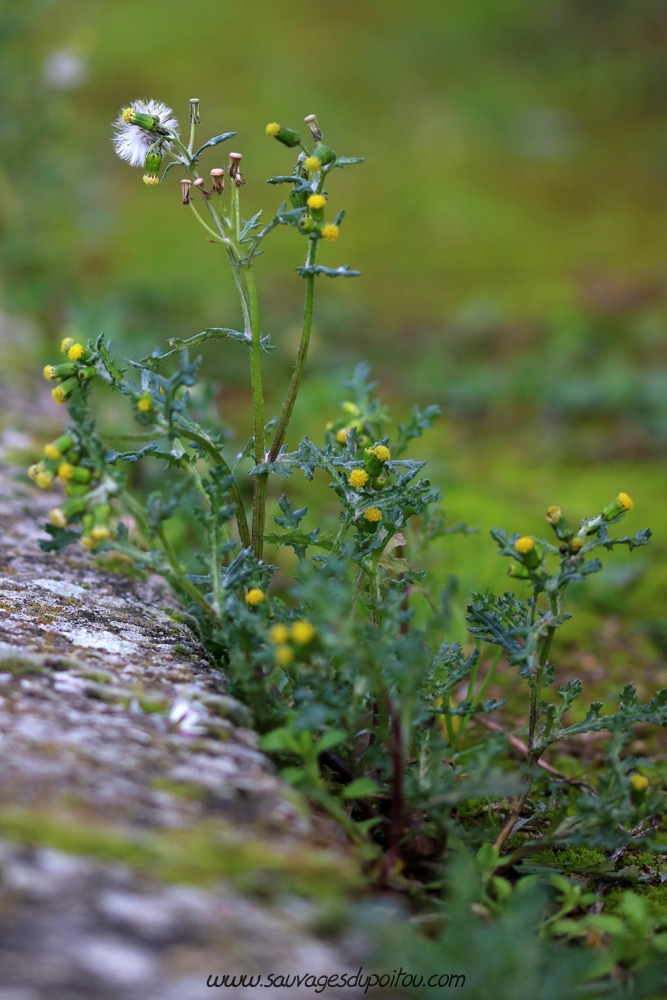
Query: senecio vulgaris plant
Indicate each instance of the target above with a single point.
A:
(369, 713)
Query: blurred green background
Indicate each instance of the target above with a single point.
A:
(509, 224)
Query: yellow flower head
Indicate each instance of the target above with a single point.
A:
(145, 402)
(358, 478)
(330, 231)
(317, 201)
(49, 372)
(284, 656)
(341, 435)
(65, 471)
(58, 518)
(639, 783)
(312, 164)
(52, 451)
(273, 129)
(302, 633)
(373, 515)
(577, 544)
(524, 545)
(76, 352)
(66, 344)
(554, 515)
(151, 179)
(254, 597)
(59, 395)
(279, 634)
(127, 115)
(88, 542)
(44, 480)
(101, 532)
(625, 501)
(382, 453)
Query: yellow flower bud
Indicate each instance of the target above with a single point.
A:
(316, 201)
(279, 634)
(330, 232)
(312, 164)
(524, 545)
(254, 597)
(358, 478)
(58, 518)
(44, 480)
(284, 656)
(302, 633)
(373, 515)
(382, 453)
(76, 352)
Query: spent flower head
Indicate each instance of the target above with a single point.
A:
(139, 127)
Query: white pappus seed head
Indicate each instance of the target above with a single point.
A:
(132, 141)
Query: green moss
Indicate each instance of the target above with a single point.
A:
(20, 666)
(117, 562)
(581, 859)
(655, 897)
(153, 706)
(187, 790)
(200, 855)
(99, 676)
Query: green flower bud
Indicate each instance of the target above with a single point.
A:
(152, 167)
(77, 489)
(74, 507)
(563, 530)
(324, 154)
(374, 459)
(140, 118)
(306, 225)
(288, 136)
(299, 199)
(56, 449)
(619, 506)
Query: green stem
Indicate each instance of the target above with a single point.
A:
(293, 390)
(480, 694)
(216, 236)
(261, 480)
(534, 749)
(538, 682)
(183, 581)
(241, 519)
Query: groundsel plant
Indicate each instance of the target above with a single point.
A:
(367, 710)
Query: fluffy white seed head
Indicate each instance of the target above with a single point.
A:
(132, 142)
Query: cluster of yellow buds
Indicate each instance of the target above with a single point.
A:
(291, 641)
(62, 461)
(70, 372)
(310, 167)
(312, 221)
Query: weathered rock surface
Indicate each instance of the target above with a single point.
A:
(140, 824)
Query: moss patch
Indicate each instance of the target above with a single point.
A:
(201, 855)
(20, 666)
